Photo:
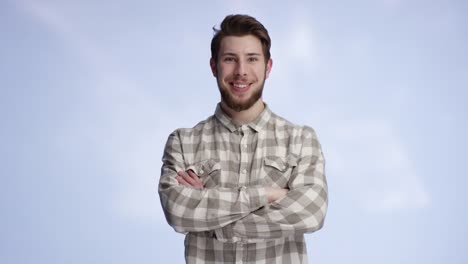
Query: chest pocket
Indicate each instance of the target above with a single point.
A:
(278, 170)
(208, 170)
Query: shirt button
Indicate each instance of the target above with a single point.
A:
(201, 171)
(244, 171)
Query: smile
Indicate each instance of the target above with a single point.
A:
(240, 87)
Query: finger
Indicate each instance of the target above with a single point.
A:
(186, 177)
(192, 173)
(189, 179)
(198, 181)
(194, 176)
(181, 173)
(182, 181)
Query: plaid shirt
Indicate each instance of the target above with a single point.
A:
(230, 220)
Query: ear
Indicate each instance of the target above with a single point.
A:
(269, 65)
(213, 67)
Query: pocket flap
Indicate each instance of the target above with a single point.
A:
(275, 162)
(280, 163)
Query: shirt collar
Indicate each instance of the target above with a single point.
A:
(258, 124)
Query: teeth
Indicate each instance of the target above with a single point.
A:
(240, 85)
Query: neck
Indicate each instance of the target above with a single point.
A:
(246, 116)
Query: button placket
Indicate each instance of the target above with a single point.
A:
(244, 156)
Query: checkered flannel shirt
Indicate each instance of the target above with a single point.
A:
(230, 219)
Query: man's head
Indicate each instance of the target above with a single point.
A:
(240, 60)
(240, 25)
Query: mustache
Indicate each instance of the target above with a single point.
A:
(239, 78)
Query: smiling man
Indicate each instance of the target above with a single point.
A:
(244, 185)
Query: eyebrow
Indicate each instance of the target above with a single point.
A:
(234, 54)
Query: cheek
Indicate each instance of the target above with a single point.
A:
(260, 73)
(224, 73)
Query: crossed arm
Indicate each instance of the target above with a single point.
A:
(190, 179)
(248, 213)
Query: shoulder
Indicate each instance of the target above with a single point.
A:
(281, 124)
(196, 130)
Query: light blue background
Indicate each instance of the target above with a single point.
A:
(90, 91)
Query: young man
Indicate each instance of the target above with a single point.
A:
(245, 184)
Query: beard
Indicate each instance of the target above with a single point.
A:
(240, 105)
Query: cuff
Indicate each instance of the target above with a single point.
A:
(257, 197)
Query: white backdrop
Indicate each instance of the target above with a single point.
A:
(90, 91)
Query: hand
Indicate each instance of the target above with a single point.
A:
(189, 179)
(274, 194)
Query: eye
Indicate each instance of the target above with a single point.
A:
(229, 59)
(252, 59)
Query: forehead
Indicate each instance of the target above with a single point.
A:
(241, 45)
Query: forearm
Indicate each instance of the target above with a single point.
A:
(193, 210)
(303, 210)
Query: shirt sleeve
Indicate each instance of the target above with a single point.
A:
(193, 210)
(303, 209)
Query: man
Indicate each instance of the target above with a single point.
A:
(245, 184)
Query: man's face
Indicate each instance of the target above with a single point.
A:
(240, 71)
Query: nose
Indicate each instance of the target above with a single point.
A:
(241, 68)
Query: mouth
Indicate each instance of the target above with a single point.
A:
(238, 87)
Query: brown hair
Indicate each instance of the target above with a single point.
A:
(240, 25)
